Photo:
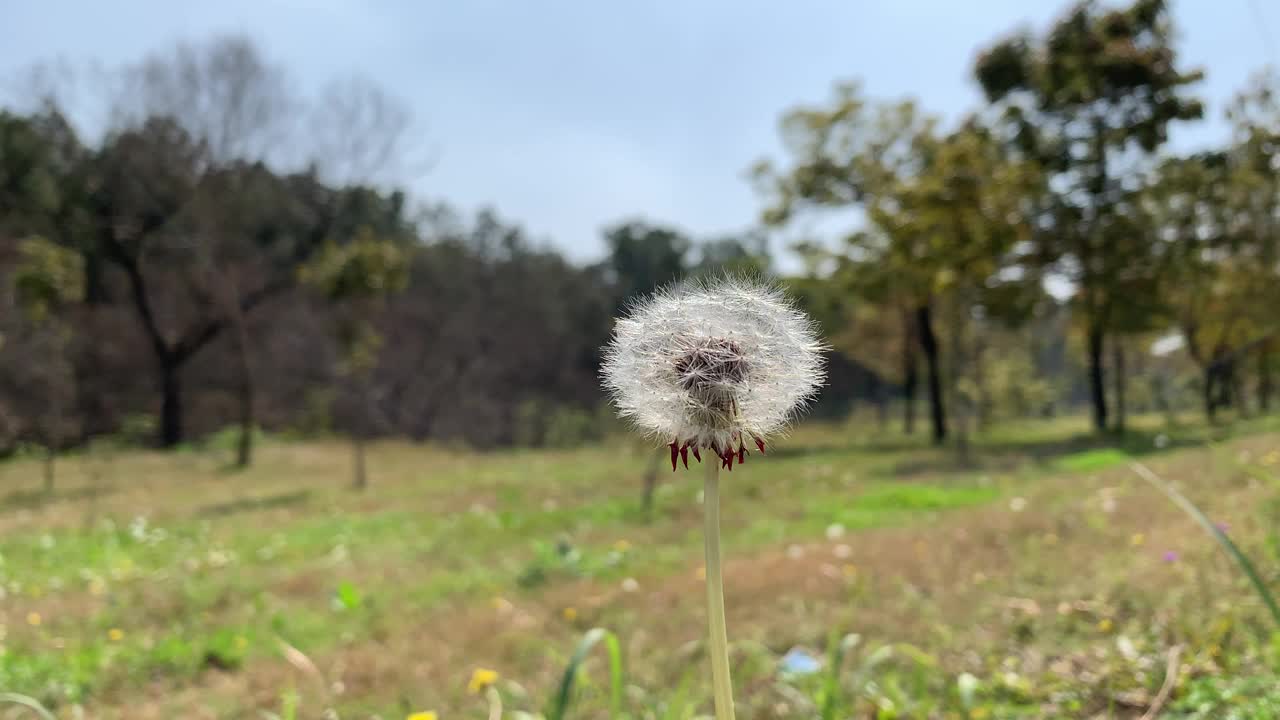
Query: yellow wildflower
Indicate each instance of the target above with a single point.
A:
(702, 573)
(33, 619)
(1137, 540)
(241, 642)
(979, 713)
(570, 614)
(850, 571)
(115, 634)
(1105, 625)
(428, 715)
(481, 678)
(622, 546)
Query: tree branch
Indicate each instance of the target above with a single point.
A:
(203, 334)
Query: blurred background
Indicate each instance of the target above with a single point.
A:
(302, 308)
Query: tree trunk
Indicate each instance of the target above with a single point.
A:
(1237, 389)
(929, 344)
(1097, 388)
(244, 450)
(1210, 406)
(170, 403)
(361, 480)
(910, 381)
(1264, 378)
(1120, 380)
(52, 433)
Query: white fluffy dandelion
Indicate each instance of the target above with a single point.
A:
(713, 365)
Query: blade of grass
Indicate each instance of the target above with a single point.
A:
(1214, 532)
(28, 702)
(580, 653)
(831, 696)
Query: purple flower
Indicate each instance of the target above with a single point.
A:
(1171, 556)
(1222, 527)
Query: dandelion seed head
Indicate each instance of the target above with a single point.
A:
(714, 364)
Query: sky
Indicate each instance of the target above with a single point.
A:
(570, 116)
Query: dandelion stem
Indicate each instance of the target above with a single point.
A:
(495, 703)
(719, 638)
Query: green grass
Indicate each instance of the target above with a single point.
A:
(152, 573)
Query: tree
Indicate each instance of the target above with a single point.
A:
(945, 214)
(193, 212)
(1095, 94)
(48, 281)
(356, 277)
(643, 257)
(851, 154)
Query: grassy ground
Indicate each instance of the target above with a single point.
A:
(1042, 579)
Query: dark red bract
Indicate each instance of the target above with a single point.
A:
(727, 455)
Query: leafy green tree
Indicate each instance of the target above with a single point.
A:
(356, 278)
(48, 281)
(852, 154)
(944, 214)
(1098, 91)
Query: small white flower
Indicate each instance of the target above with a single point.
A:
(709, 365)
(1018, 504)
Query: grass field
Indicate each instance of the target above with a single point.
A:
(1043, 579)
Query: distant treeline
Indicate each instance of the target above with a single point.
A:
(218, 249)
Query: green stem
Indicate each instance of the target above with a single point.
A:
(1214, 532)
(719, 638)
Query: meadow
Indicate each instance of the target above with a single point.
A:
(867, 575)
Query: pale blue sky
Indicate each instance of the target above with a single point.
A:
(567, 116)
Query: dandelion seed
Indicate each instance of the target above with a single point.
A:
(115, 634)
(630, 585)
(481, 678)
(715, 366)
(1018, 504)
(835, 531)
